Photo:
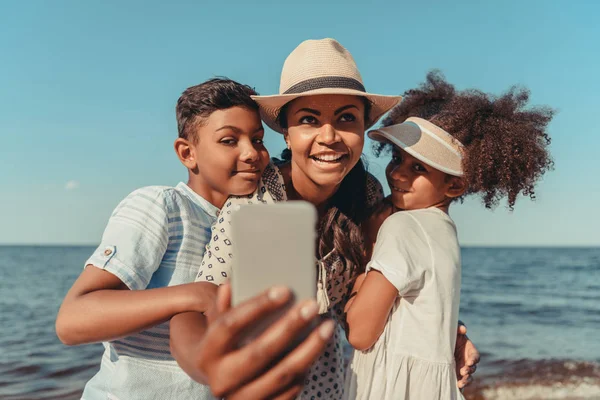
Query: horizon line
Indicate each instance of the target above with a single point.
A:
(499, 246)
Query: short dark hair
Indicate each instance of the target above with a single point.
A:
(198, 102)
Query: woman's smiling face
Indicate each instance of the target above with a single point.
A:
(325, 134)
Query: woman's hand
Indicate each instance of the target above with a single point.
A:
(466, 356)
(207, 348)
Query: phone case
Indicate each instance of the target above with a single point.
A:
(273, 245)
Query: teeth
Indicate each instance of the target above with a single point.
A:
(399, 190)
(328, 157)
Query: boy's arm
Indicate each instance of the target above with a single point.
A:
(100, 307)
(110, 298)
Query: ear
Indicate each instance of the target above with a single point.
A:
(456, 186)
(286, 137)
(186, 152)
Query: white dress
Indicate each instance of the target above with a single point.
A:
(418, 252)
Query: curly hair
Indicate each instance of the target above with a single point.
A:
(506, 142)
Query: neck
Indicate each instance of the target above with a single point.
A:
(214, 197)
(443, 205)
(300, 187)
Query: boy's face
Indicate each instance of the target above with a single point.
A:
(227, 156)
(414, 184)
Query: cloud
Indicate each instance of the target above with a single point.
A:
(71, 185)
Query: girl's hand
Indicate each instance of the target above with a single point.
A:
(466, 356)
(260, 369)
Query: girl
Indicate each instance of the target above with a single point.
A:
(322, 111)
(445, 144)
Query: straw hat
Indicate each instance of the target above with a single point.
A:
(320, 67)
(426, 142)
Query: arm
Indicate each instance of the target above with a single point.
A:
(368, 311)
(107, 300)
(392, 272)
(187, 332)
(100, 307)
(206, 348)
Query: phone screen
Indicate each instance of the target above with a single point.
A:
(273, 245)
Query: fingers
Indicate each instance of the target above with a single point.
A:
(466, 381)
(462, 330)
(292, 368)
(472, 356)
(468, 370)
(292, 392)
(224, 298)
(274, 341)
(225, 330)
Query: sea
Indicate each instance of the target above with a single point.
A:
(534, 313)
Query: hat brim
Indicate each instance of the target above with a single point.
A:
(405, 143)
(270, 106)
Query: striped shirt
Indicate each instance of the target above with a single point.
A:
(154, 238)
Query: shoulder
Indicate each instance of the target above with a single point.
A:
(374, 190)
(270, 189)
(146, 198)
(372, 181)
(419, 225)
(405, 228)
(402, 220)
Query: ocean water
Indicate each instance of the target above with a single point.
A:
(534, 313)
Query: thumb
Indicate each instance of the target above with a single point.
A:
(223, 298)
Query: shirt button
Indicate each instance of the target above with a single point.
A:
(107, 252)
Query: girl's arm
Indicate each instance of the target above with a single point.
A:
(367, 312)
(100, 307)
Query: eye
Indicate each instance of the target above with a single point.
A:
(257, 140)
(347, 117)
(419, 168)
(308, 119)
(396, 159)
(228, 141)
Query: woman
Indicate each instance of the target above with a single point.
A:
(323, 111)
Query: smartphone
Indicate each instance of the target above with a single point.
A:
(273, 244)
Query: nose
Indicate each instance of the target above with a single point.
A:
(248, 152)
(399, 172)
(328, 135)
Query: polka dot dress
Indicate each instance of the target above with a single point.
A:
(326, 377)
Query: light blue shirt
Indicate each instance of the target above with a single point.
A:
(154, 238)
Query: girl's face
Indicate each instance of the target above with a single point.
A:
(326, 136)
(416, 185)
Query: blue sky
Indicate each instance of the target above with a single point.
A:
(88, 90)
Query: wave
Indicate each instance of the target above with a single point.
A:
(537, 380)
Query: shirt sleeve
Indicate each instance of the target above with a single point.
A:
(135, 239)
(399, 250)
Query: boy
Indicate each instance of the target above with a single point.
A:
(139, 276)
